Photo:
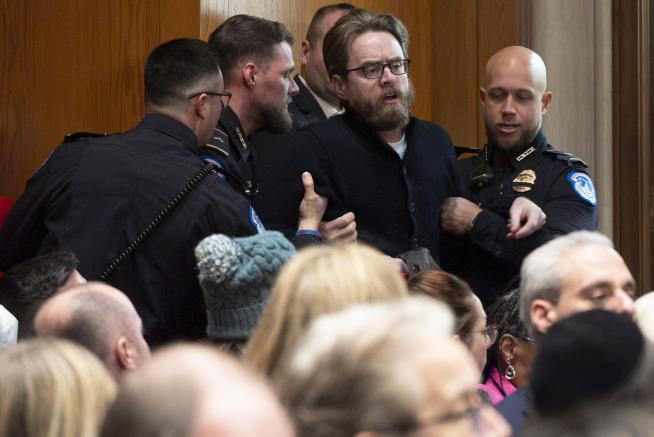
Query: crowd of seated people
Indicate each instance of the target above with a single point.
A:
(346, 326)
(342, 344)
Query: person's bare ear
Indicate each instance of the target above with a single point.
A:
(507, 347)
(545, 102)
(305, 49)
(249, 74)
(199, 105)
(126, 354)
(482, 95)
(543, 315)
(340, 86)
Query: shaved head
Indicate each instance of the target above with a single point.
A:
(517, 58)
(100, 318)
(195, 391)
(514, 97)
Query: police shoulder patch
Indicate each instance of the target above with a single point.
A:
(255, 221)
(582, 184)
(218, 163)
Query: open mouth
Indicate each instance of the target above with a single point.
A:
(508, 128)
(390, 96)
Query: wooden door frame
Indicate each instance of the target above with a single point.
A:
(633, 182)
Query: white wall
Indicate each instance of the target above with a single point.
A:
(574, 39)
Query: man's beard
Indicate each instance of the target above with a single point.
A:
(522, 142)
(380, 116)
(277, 120)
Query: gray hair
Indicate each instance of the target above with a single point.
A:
(541, 276)
(352, 373)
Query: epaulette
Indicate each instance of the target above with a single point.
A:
(569, 158)
(461, 150)
(219, 142)
(76, 136)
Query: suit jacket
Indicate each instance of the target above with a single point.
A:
(304, 108)
(515, 409)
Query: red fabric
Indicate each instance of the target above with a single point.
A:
(5, 205)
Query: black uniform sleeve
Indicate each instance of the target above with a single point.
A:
(23, 230)
(305, 240)
(26, 226)
(565, 209)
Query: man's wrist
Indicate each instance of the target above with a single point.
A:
(308, 224)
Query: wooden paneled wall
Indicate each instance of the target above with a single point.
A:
(70, 65)
(465, 35)
(450, 44)
(633, 149)
(74, 65)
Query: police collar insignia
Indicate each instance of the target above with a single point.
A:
(583, 186)
(524, 154)
(255, 221)
(241, 138)
(219, 135)
(524, 181)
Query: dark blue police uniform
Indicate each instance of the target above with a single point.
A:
(94, 197)
(556, 181)
(230, 150)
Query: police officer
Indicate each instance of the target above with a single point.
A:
(518, 179)
(96, 197)
(256, 60)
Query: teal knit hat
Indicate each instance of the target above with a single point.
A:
(236, 275)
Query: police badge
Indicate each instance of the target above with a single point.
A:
(524, 181)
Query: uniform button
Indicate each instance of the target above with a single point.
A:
(249, 184)
(412, 207)
(404, 171)
(414, 241)
(415, 268)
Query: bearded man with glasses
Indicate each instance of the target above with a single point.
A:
(391, 170)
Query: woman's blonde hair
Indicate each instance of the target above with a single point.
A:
(52, 388)
(316, 281)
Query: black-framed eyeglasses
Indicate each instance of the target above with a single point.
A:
(225, 96)
(375, 70)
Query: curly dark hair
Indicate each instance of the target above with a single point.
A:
(504, 314)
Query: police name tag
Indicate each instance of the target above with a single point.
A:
(255, 221)
(583, 186)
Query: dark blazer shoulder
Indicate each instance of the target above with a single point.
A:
(419, 128)
(304, 107)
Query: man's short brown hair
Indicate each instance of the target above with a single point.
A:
(352, 25)
(244, 37)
